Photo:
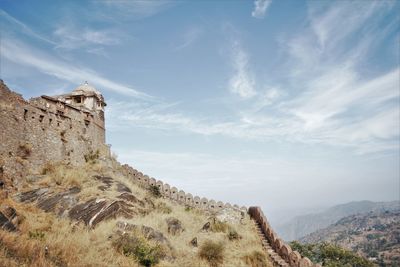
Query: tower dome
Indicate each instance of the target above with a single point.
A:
(86, 88)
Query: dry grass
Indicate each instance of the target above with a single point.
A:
(257, 259)
(64, 176)
(68, 243)
(212, 252)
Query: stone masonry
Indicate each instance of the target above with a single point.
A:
(45, 129)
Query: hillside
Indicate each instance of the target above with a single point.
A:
(306, 224)
(96, 216)
(375, 235)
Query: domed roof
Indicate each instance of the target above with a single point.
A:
(86, 88)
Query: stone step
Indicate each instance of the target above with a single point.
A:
(276, 259)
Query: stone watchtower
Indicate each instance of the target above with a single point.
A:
(86, 97)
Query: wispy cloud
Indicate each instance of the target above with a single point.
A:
(138, 9)
(242, 82)
(70, 37)
(7, 18)
(28, 56)
(260, 8)
(189, 37)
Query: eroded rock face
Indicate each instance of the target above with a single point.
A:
(32, 195)
(148, 232)
(91, 212)
(123, 188)
(49, 204)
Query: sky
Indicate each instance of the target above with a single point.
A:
(288, 105)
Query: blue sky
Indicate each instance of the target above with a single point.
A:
(289, 105)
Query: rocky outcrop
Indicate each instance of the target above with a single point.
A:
(91, 212)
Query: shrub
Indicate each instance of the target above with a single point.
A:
(256, 259)
(91, 157)
(155, 191)
(233, 235)
(144, 252)
(188, 208)
(36, 235)
(212, 252)
(330, 255)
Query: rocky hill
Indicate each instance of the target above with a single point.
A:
(306, 224)
(374, 235)
(96, 216)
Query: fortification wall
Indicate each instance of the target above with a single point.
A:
(177, 195)
(293, 258)
(35, 132)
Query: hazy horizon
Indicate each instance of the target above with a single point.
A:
(288, 105)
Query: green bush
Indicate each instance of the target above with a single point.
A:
(188, 208)
(39, 235)
(330, 255)
(145, 253)
(212, 252)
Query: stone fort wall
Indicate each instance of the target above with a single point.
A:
(177, 195)
(43, 130)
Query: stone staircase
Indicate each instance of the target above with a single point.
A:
(273, 256)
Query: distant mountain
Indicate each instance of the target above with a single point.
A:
(306, 224)
(374, 235)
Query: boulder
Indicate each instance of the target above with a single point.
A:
(193, 242)
(6, 224)
(206, 226)
(229, 215)
(174, 226)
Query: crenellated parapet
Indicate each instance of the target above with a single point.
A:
(176, 194)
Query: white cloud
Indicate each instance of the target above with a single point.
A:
(242, 83)
(28, 56)
(260, 8)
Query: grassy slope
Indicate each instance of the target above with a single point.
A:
(72, 244)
